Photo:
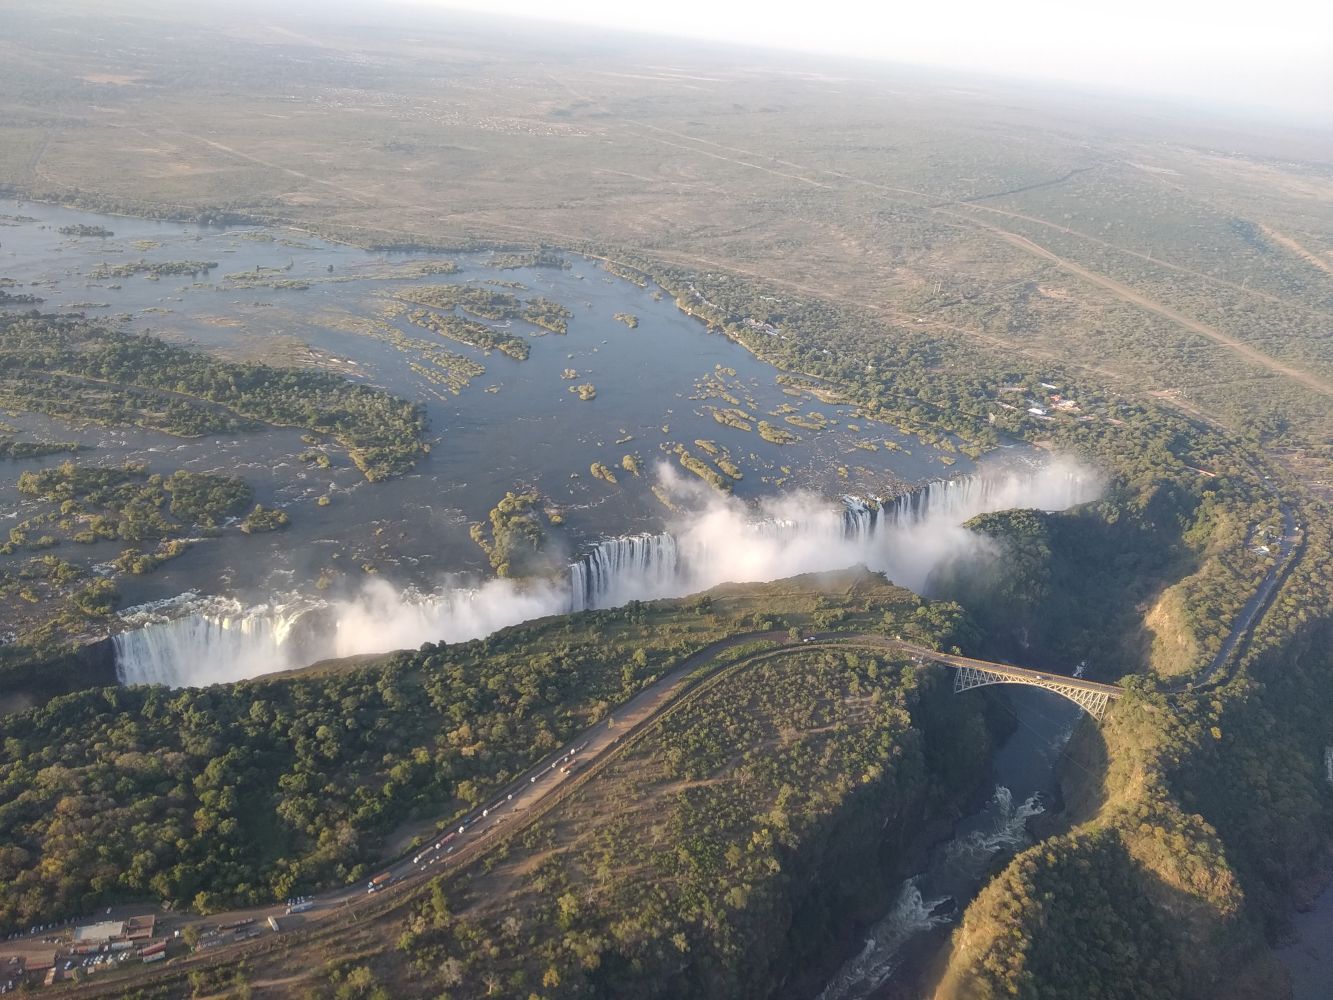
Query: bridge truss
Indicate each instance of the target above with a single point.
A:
(1089, 699)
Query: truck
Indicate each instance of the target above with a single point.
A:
(153, 949)
(301, 907)
(379, 882)
(156, 956)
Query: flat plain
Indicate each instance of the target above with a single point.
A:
(1021, 221)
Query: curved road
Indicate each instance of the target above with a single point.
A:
(1289, 547)
(537, 785)
(542, 787)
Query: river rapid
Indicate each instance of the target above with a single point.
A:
(913, 932)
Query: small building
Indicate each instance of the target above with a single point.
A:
(41, 961)
(99, 933)
(140, 928)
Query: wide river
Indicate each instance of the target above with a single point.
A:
(514, 424)
(495, 424)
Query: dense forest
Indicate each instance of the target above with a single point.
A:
(721, 853)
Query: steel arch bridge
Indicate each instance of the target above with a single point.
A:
(1092, 700)
(1091, 696)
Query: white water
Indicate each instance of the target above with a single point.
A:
(909, 916)
(722, 541)
(1000, 826)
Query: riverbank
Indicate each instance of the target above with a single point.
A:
(1308, 959)
(900, 954)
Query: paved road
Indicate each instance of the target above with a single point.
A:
(542, 785)
(536, 784)
(521, 795)
(462, 842)
(1288, 548)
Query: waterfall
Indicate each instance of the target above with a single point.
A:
(618, 570)
(219, 640)
(964, 497)
(860, 518)
(726, 542)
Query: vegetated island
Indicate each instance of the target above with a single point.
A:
(57, 595)
(79, 229)
(79, 369)
(487, 304)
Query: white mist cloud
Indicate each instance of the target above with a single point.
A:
(714, 540)
(383, 618)
(725, 542)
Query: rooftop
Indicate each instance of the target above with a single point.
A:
(104, 931)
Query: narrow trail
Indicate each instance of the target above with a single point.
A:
(360, 197)
(738, 162)
(34, 164)
(1300, 250)
(1155, 261)
(925, 196)
(1128, 294)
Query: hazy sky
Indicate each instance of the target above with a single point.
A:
(1259, 53)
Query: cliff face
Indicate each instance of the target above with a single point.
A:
(32, 683)
(1199, 815)
(733, 851)
(845, 876)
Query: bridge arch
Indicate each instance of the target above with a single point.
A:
(1092, 700)
(1091, 696)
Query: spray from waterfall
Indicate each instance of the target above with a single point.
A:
(720, 540)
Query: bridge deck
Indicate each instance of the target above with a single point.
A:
(1022, 674)
(1091, 696)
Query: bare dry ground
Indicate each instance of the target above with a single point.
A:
(1175, 252)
